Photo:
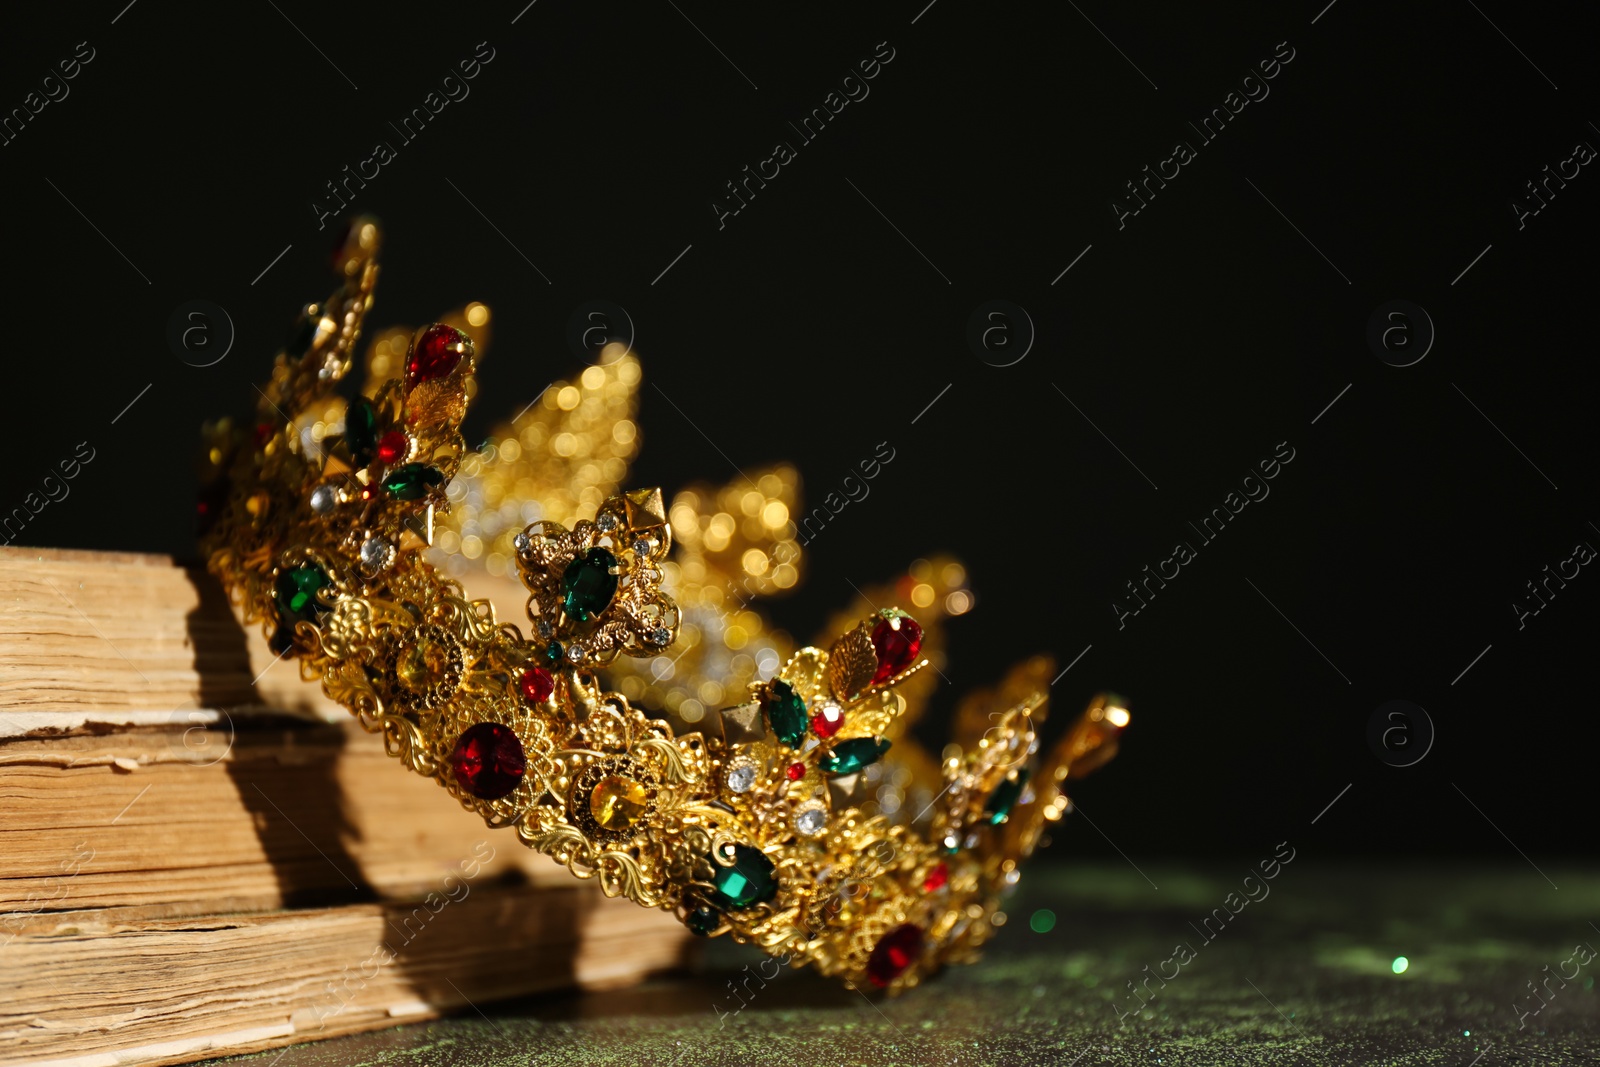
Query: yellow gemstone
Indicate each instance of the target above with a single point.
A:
(422, 665)
(618, 803)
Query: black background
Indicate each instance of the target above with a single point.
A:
(1196, 338)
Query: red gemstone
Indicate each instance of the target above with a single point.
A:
(488, 760)
(898, 950)
(826, 722)
(394, 446)
(263, 433)
(795, 771)
(536, 684)
(937, 877)
(897, 640)
(436, 353)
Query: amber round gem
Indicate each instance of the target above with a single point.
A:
(896, 639)
(618, 802)
(488, 760)
(437, 352)
(423, 664)
(894, 954)
(536, 685)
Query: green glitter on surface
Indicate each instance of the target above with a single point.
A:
(1298, 978)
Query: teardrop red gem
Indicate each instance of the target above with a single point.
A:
(393, 446)
(894, 953)
(896, 640)
(826, 722)
(436, 353)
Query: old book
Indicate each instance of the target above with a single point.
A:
(199, 859)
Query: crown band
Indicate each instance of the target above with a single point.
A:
(758, 820)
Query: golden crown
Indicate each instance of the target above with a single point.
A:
(760, 797)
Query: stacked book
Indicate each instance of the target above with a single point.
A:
(200, 855)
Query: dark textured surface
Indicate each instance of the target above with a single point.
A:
(1301, 976)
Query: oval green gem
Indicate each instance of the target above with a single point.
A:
(1004, 798)
(751, 880)
(295, 590)
(850, 756)
(786, 712)
(361, 430)
(413, 481)
(587, 585)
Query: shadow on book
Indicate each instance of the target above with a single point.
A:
(205, 857)
(315, 862)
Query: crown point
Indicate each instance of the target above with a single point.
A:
(357, 244)
(435, 354)
(646, 511)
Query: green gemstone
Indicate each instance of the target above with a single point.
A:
(361, 430)
(787, 713)
(1004, 798)
(587, 585)
(702, 921)
(554, 654)
(751, 880)
(413, 481)
(296, 594)
(850, 756)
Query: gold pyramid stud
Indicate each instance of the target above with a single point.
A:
(646, 511)
(743, 725)
(847, 791)
(418, 532)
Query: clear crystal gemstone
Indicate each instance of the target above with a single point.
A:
(574, 654)
(811, 822)
(641, 548)
(741, 778)
(544, 628)
(659, 636)
(607, 522)
(376, 553)
(521, 543)
(323, 499)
